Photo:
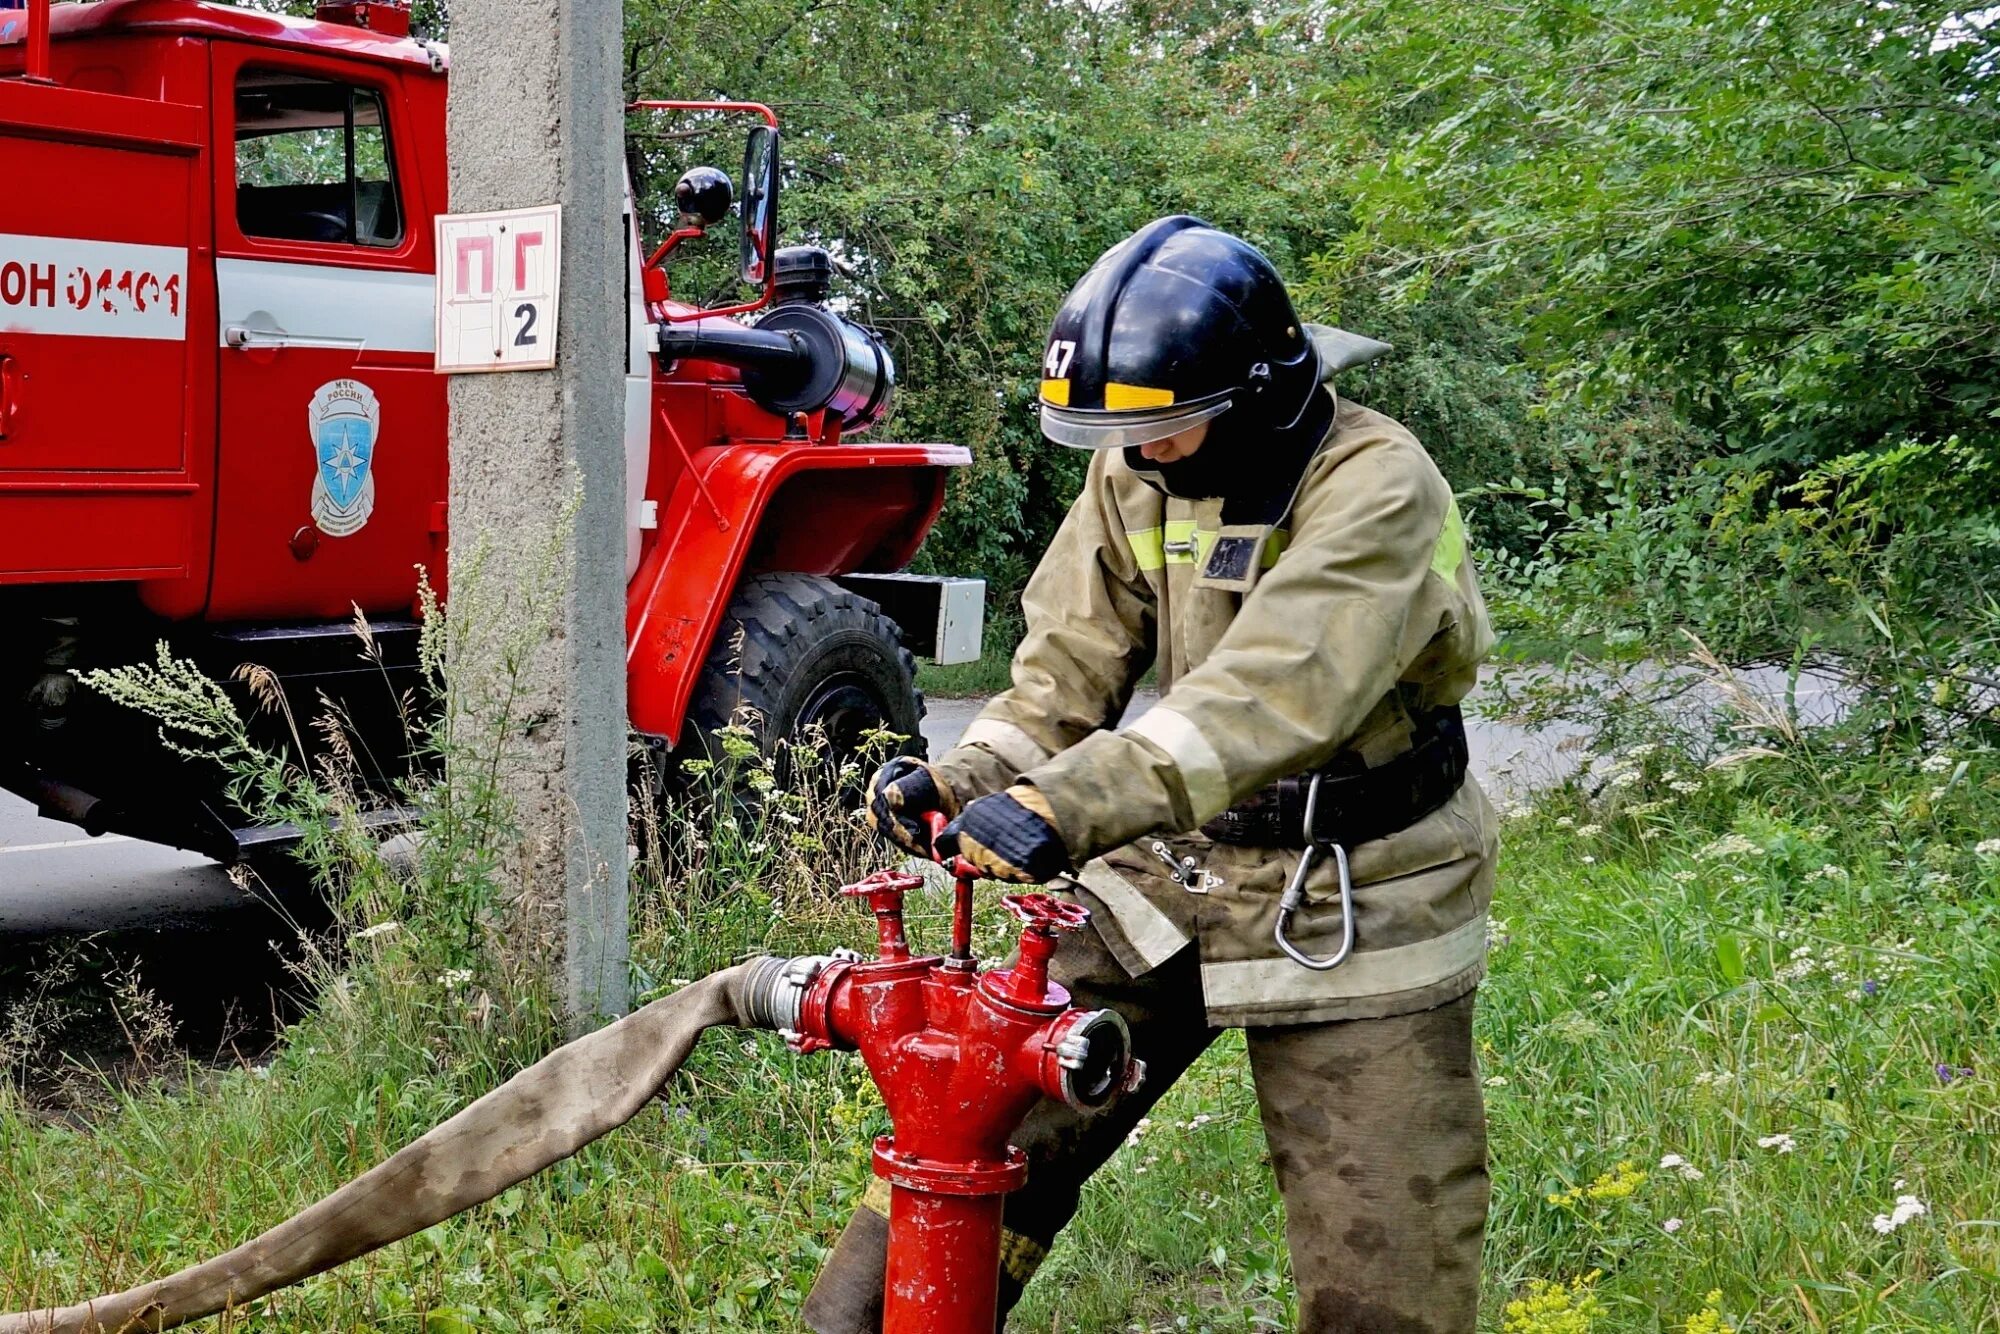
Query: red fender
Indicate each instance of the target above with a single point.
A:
(732, 513)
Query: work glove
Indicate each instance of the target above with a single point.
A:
(1010, 835)
(898, 796)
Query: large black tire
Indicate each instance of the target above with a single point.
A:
(798, 653)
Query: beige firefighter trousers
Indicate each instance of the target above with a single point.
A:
(1376, 1129)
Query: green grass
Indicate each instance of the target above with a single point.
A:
(967, 680)
(1680, 974)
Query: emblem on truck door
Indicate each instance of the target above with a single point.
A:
(344, 419)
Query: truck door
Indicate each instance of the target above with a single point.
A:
(331, 477)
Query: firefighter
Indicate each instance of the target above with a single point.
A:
(1288, 841)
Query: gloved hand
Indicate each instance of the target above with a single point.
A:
(899, 794)
(1010, 835)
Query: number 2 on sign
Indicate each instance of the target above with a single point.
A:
(527, 313)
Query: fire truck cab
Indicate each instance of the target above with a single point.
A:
(221, 426)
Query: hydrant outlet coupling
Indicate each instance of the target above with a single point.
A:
(776, 992)
(1087, 1059)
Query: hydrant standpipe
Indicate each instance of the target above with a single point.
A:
(960, 1057)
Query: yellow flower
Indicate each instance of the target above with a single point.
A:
(1621, 1182)
(1709, 1319)
(1551, 1307)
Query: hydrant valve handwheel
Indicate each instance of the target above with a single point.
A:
(884, 891)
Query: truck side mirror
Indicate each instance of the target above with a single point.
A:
(760, 205)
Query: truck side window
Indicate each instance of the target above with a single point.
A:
(313, 161)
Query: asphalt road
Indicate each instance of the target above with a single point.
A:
(55, 878)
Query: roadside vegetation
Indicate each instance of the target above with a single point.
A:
(1738, 1045)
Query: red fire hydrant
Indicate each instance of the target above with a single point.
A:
(960, 1057)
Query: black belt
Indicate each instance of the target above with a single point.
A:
(1356, 804)
(1344, 804)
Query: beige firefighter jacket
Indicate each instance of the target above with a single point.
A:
(1363, 607)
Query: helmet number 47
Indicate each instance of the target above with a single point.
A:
(1056, 364)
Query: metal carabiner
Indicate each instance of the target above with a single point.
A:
(1295, 895)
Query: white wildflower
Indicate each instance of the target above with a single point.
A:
(454, 977)
(1907, 1207)
(1936, 764)
(1684, 877)
(1496, 1081)
(371, 932)
(1783, 1143)
(1671, 1226)
(1496, 933)
(1627, 778)
(1589, 830)
(1642, 750)
(1138, 1132)
(1729, 845)
(1673, 1162)
(1687, 787)
(1588, 860)
(48, 1259)
(1988, 847)
(1566, 822)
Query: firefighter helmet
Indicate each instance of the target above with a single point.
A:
(1177, 324)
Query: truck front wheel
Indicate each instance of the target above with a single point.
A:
(799, 657)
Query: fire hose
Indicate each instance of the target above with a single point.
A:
(959, 1055)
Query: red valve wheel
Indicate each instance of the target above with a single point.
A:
(901, 882)
(1048, 912)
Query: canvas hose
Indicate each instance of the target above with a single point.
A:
(574, 1095)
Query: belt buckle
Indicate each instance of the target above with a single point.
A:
(1295, 895)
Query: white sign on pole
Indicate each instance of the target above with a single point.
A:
(498, 276)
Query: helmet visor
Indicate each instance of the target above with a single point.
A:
(1100, 428)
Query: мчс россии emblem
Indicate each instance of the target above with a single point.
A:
(343, 418)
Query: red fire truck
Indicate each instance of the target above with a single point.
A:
(221, 426)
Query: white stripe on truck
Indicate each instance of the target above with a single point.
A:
(92, 289)
(374, 309)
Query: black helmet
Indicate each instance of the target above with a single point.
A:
(1175, 325)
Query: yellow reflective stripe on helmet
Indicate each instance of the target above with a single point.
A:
(1126, 397)
(1147, 548)
(1449, 553)
(1056, 392)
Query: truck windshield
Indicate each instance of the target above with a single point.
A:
(313, 161)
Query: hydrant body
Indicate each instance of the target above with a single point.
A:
(960, 1057)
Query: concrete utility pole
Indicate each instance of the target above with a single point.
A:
(536, 117)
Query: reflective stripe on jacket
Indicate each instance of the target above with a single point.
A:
(1362, 609)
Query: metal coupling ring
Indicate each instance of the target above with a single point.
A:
(1295, 895)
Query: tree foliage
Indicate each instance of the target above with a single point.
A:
(1689, 296)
